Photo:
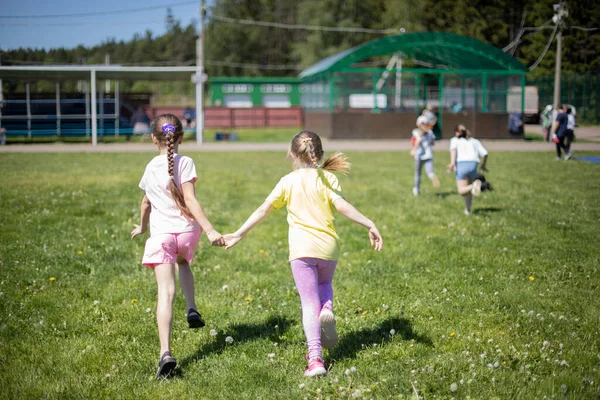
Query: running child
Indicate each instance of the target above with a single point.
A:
(422, 150)
(310, 193)
(176, 223)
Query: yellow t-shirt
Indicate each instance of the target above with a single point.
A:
(309, 194)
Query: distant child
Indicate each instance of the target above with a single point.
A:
(310, 193)
(560, 135)
(422, 150)
(570, 133)
(176, 223)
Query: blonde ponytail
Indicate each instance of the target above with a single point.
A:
(337, 162)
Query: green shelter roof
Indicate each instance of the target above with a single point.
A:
(438, 50)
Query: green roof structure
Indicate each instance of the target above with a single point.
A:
(464, 80)
(436, 50)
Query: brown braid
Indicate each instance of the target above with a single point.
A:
(169, 141)
(310, 147)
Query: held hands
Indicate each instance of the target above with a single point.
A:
(215, 238)
(375, 238)
(231, 239)
(451, 168)
(137, 231)
(484, 168)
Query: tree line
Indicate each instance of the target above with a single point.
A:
(237, 49)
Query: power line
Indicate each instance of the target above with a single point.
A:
(535, 64)
(86, 23)
(304, 27)
(523, 30)
(94, 13)
(581, 28)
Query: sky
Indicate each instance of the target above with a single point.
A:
(29, 23)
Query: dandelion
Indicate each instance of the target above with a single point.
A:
(531, 278)
(452, 334)
(271, 355)
(347, 372)
(80, 252)
(301, 386)
(216, 267)
(224, 287)
(213, 332)
(356, 394)
(133, 301)
(148, 309)
(261, 251)
(96, 302)
(248, 298)
(229, 339)
(453, 387)
(392, 332)
(52, 279)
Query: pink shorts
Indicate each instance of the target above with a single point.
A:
(167, 248)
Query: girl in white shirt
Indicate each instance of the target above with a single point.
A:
(176, 223)
(464, 159)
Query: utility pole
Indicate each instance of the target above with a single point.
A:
(561, 14)
(200, 77)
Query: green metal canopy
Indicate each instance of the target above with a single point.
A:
(436, 50)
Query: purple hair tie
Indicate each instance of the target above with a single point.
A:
(167, 127)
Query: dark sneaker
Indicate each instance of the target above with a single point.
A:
(485, 186)
(166, 365)
(194, 319)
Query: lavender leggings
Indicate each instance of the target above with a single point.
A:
(313, 278)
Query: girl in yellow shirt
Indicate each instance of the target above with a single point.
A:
(310, 193)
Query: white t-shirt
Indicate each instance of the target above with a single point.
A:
(467, 149)
(165, 216)
(570, 121)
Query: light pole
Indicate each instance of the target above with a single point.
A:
(561, 14)
(199, 78)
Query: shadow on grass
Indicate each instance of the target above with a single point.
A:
(486, 210)
(443, 195)
(351, 343)
(272, 328)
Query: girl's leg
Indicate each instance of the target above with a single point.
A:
(186, 280)
(325, 271)
(417, 177)
(464, 189)
(165, 280)
(305, 275)
(568, 141)
(431, 174)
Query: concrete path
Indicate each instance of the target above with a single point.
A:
(330, 145)
(581, 132)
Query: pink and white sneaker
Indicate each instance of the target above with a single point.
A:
(329, 337)
(315, 367)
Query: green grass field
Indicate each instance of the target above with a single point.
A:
(502, 304)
